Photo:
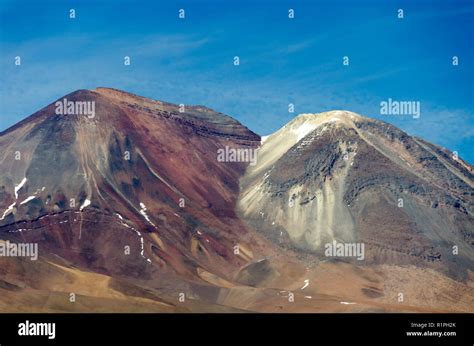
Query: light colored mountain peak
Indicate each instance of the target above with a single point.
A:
(279, 142)
(312, 120)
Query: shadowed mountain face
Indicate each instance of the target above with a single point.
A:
(133, 211)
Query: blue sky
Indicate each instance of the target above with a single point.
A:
(190, 61)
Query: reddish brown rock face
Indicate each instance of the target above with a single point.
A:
(132, 210)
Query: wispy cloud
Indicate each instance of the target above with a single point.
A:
(281, 62)
(165, 45)
(301, 45)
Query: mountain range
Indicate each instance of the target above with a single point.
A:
(134, 210)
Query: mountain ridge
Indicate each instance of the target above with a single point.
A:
(146, 176)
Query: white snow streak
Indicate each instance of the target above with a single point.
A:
(8, 211)
(19, 186)
(86, 203)
(306, 284)
(145, 215)
(27, 200)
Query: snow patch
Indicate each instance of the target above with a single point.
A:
(19, 186)
(86, 203)
(306, 284)
(8, 211)
(303, 130)
(142, 242)
(27, 200)
(145, 215)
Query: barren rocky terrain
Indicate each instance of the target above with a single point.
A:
(132, 212)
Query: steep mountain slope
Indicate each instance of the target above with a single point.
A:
(339, 176)
(139, 174)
